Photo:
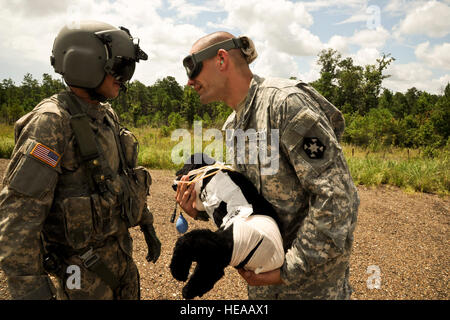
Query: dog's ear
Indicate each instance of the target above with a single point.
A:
(184, 170)
(195, 161)
(207, 160)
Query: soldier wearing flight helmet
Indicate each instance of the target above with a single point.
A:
(73, 188)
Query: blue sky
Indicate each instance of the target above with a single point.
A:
(288, 34)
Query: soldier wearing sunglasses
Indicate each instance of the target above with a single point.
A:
(312, 190)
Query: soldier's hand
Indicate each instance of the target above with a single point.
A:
(186, 197)
(153, 243)
(261, 279)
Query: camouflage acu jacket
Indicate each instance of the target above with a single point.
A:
(47, 189)
(300, 169)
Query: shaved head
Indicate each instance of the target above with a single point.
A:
(223, 77)
(211, 39)
(236, 55)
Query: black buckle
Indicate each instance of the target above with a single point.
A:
(237, 43)
(89, 258)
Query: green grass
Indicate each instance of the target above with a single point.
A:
(407, 169)
(6, 140)
(154, 148)
(417, 174)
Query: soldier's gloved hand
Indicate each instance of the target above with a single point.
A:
(153, 243)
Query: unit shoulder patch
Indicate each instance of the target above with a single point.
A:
(313, 147)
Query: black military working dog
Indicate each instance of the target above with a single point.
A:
(239, 212)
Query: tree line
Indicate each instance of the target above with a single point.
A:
(165, 103)
(375, 117)
(378, 117)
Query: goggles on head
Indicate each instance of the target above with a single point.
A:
(193, 62)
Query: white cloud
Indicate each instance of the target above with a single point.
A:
(27, 42)
(365, 56)
(273, 63)
(31, 8)
(441, 83)
(339, 43)
(400, 7)
(365, 39)
(355, 18)
(313, 73)
(414, 74)
(368, 38)
(322, 4)
(282, 24)
(436, 57)
(431, 18)
(371, 15)
(408, 72)
(185, 9)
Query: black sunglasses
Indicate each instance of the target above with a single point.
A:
(193, 62)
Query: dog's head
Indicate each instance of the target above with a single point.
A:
(218, 187)
(191, 168)
(194, 162)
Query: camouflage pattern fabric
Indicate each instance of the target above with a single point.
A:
(310, 187)
(92, 287)
(46, 189)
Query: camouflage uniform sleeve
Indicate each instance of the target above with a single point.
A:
(25, 200)
(326, 232)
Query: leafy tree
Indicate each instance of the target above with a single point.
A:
(171, 87)
(350, 87)
(372, 80)
(328, 60)
(50, 86)
(175, 120)
(30, 93)
(349, 96)
(191, 103)
(386, 99)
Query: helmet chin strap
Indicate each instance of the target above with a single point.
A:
(94, 95)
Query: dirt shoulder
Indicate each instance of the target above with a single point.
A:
(404, 236)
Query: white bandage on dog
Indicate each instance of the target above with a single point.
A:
(248, 230)
(247, 233)
(222, 188)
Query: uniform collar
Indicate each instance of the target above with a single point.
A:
(244, 115)
(96, 112)
(240, 108)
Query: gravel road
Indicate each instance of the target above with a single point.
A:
(403, 236)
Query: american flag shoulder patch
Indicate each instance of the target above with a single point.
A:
(45, 154)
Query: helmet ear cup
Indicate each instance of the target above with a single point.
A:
(77, 63)
(80, 56)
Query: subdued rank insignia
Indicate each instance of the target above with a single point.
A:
(313, 148)
(45, 154)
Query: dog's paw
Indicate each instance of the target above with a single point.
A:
(179, 271)
(189, 292)
(180, 275)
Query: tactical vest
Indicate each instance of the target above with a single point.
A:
(93, 201)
